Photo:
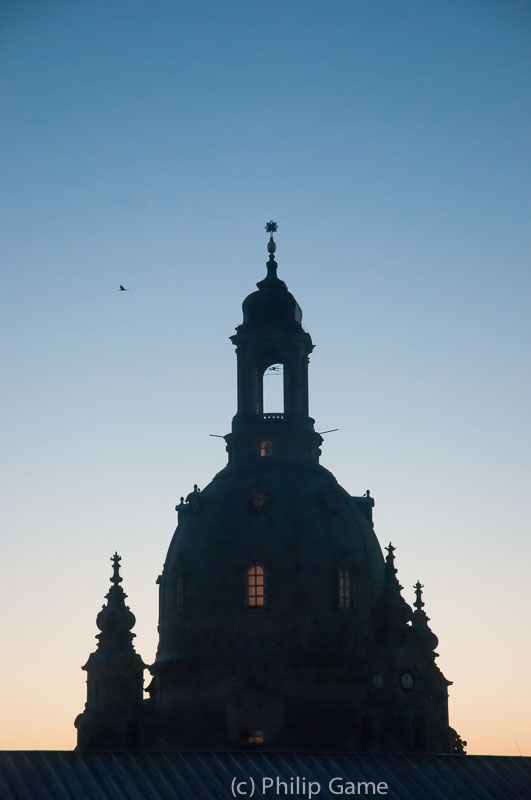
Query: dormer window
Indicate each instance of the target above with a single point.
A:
(255, 586)
(266, 447)
(344, 588)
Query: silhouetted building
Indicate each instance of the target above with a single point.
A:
(113, 717)
(281, 624)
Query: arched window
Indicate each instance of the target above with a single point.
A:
(273, 389)
(255, 586)
(344, 588)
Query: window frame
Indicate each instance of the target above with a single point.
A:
(345, 588)
(267, 448)
(251, 589)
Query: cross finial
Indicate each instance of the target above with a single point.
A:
(116, 579)
(271, 227)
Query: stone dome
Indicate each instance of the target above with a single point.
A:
(300, 526)
(281, 623)
(115, 618)
(271, 304)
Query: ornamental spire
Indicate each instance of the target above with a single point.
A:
(112, 717)
(394, 612)
(115, 619)
(420, 621)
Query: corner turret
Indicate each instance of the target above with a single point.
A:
(112, 716)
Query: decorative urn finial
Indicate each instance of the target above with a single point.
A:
(116, 577)
(390, 558)
(418, 596)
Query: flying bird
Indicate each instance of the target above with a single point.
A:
(122, 288)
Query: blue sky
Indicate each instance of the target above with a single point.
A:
(147, 143)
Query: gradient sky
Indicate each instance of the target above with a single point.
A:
(146, 142)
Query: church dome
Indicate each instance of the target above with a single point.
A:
(271, 304)
(115, 618)
(300, 526)
(280, 622)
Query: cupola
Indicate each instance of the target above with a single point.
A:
(272, 304)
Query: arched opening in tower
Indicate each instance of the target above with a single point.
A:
(273, 389)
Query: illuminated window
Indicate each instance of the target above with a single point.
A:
(266, 447)
(344, 588)
(255, 736)
(255, 586)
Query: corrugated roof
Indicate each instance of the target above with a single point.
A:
(117, 775)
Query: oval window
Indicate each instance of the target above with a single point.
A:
(378, 681)
(407, 680)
